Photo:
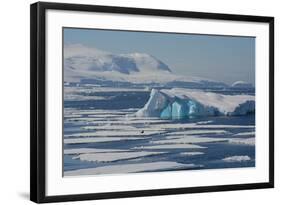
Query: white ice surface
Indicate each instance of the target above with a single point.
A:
(237, 158)
(97, 139)
(242, 134)
(113, 133)
(189, 140)
(90, 150)
(197, 132)
(124, 121)
(171, 146)
(192, 153)
(248, 141)
(122, 127)
(131, 168)
(138, 68)
(203, 126)
(204, 122)
(111, 157)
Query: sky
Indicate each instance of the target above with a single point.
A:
(222, 58)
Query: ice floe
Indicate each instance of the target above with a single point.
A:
(191, 153)
(204, 122)
(237, 158)
(131, 168)
(243, 141)
(110, 133)
(197, 132)
(171, 146)
(189, 140)
(124, 120)
(111, 157)
(242, 134)
(122, 127)
(97, 139)
(200, 126)
(90, 150)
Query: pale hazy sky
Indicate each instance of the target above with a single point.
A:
(222, 58)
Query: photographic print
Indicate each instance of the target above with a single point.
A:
(132, 102)
(137, 101)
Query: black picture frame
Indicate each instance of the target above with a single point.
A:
(38, 101)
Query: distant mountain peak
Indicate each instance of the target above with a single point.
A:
(242, 84)
(88, 64)
(79, 57)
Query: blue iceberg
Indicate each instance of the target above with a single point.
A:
(179, 103)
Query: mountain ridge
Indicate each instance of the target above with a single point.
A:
(91, 65)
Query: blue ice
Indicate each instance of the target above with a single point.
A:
(179, 110)
(167, 112)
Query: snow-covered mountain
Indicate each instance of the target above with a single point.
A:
(90, 65)
(241, 84)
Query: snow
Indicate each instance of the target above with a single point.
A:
(131, 168)
(243, 141)
(171, 146)
(79, 57)
(237, 159)
(111, 157)
(83, 63)
(178, 103)
(97, 139)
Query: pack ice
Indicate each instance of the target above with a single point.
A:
(178, 103)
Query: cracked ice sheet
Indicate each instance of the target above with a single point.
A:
(189, 139)
(97, 139)
(171, 146)
(111, 157)
(132, 168)
(243, 141)
(90, 150)
(119, 133)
